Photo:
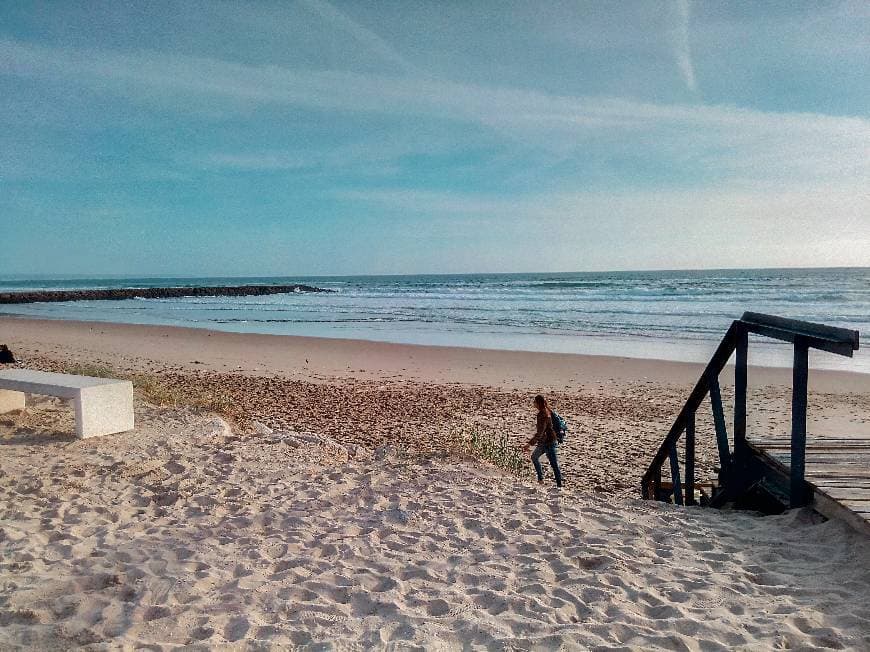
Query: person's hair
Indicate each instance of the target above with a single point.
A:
(541, 403)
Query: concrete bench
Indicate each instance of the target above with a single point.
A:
(103, 405)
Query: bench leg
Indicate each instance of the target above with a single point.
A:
(104, 410)
(10, 400)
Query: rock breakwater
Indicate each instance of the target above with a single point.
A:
(117, 294)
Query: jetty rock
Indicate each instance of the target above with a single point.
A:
(118, 294)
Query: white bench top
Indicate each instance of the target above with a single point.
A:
(44, 382)
(103, 406)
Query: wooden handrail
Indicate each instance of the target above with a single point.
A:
(788, 329)
(717, 363)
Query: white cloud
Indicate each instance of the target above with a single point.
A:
(756, 146)
(728, 227)
(365, 155)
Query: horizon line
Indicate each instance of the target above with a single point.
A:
(80, 276)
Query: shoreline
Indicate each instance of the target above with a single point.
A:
(323, 358)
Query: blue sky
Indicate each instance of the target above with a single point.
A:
(315, 137)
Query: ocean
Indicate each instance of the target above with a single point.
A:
(673, 315)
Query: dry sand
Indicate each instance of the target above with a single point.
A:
(182, 533)
(335, 512)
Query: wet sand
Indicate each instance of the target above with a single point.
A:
(312, 358)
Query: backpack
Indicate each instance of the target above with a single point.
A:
(559, 425)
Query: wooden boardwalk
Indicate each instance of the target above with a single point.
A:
(837, 472)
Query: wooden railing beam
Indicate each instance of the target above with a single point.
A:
(839, 347)
(804, 328)
(721, 430)
(690, 459)
(675, 475)
(800, 375)
(740, 389)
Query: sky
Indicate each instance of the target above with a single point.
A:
(311, 137)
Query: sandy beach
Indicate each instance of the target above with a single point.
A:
(320, 495)
(317, 260)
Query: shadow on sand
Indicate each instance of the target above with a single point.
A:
(35, 437)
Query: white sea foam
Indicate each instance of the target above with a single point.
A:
(672, 315)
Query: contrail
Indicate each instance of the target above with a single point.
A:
(682, 51)
(362, 34)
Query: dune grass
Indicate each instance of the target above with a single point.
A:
(485, 445)
(160, 392)
(154, 389)
(88, 369)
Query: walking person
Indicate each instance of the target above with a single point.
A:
(545, 441)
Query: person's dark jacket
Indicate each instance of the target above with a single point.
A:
(546, 433)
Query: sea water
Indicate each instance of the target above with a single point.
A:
(675, 315)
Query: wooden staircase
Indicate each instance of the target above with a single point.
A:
(769, 475)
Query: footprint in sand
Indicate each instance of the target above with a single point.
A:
(378, 584)
(155, 612)
(236, 628)
(274, 549)
(201, 633)
(362, 605)
(437, 608)
(174, 467)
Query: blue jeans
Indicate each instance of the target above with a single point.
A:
(550, 452)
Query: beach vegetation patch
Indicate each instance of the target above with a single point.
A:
(160, 392)
(92, 369)
(157, 390)
(488, 446)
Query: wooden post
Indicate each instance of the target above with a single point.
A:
(740, 382)
(657, 484)
(721, 430)
(800, 374)
(675, 475)
(690, 459)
